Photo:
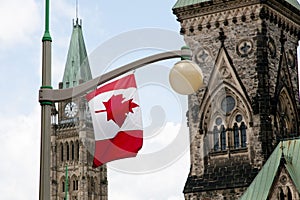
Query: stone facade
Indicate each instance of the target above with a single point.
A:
(247, 51)
(72, 138)
(72, 142)
(283, 187)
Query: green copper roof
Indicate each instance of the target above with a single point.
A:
(261, 185)
(183, 3)
(77, 68)
(294, 3)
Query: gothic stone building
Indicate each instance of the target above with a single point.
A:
(72, 175)
(243, 122)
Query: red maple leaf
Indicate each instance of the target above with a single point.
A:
(117, 109)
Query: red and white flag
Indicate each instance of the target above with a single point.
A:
(117, 120)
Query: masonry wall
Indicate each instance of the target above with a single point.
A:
(253, 41)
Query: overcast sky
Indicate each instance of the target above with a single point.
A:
(115, 32)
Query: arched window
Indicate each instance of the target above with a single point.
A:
(72, 150)
(281, 194)
(223, 138)
(77, 150)
(243, 134)
(290, 196)
(225, 123)
(74, 183)
(236, 136)
(68, 151)
(216, 138)
(63, 186)
(61, 152)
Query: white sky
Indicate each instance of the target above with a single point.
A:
(115, 33)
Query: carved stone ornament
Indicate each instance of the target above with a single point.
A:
(203, 56)
(244, 47)
(283, 180)
(224, 72)
(272, 48)
(290, 59)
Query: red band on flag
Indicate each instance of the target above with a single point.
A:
(122, 83)
(124, 145)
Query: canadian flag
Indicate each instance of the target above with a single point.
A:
(117, 120)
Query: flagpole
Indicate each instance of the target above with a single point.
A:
(44, 186)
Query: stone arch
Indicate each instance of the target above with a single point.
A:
(62, 184)
(214, 105)
(74, 183)
(222, 82)
(213, 111)
(285, 123)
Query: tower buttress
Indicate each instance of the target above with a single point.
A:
(247, 52)
(72, 137)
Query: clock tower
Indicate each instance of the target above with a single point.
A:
(247, 50)
(72, 175)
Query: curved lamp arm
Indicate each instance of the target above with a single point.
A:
(49, 95)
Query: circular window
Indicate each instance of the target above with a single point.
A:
(239, 118)
(283, 179)
(219, 121)
(228, 104)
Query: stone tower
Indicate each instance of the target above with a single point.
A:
(72, 175)
(247, 50)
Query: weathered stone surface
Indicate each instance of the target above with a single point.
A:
(246, 50)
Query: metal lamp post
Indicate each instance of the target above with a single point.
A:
(185, 78)
(44, 191)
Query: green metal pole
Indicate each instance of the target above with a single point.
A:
(47, 36)
(44, 191)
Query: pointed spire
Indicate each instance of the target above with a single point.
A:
(77, 68)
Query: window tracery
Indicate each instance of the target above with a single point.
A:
(68, 151)
(284, 124)
(229, 129)
(227, 112)
(232, 138)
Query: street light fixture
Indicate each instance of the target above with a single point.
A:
(185, 78)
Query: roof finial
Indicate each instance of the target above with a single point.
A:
(222, 36)
(77, 22)
(76, 9)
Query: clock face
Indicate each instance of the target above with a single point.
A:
(71, 109)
